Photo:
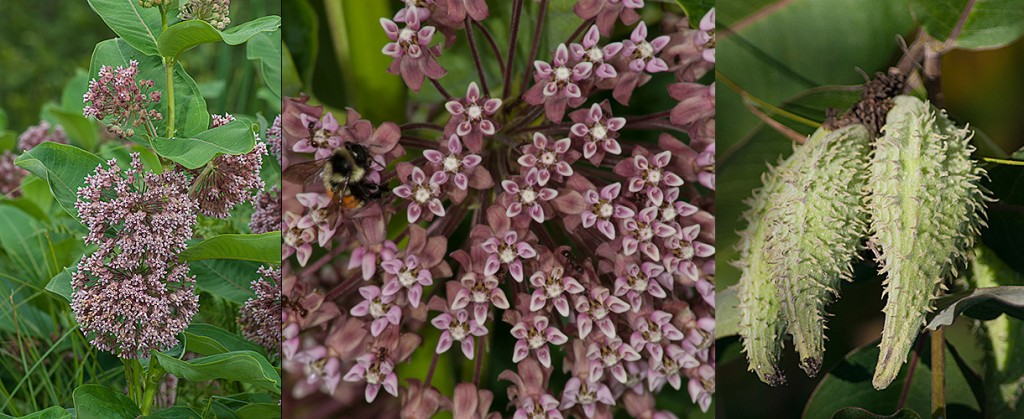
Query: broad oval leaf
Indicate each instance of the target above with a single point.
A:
(849, 384)
(81, 131)
(227, 279)
(139, 26)
(207, 339)
(979, 303)
(265, 50)
(176, 412)
(96, 401)
(989, 23)
(260, 411)
(188, 34)
(64, 168)
(245, 366)
(191, 116)
(235, 137)
(859, 413)
(264, 247)
(54, 412)
(61, 283)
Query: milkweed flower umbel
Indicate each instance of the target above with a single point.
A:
(214, 12)
(586, 244)
(132, 294)
(41, 133)
(260, 318)
(117, 93)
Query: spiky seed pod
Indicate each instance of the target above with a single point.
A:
(818, 220)
(926, 206)
(761, 322)
(804, 228)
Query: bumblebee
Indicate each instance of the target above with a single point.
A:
(343, 174)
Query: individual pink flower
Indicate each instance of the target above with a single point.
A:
(414, 58)
(552, 285)
(298, 240)
(636, 281)
(525, 196)
(534, 334)
(586, 394)
(670, 368)
(555, 85)
(646, 172)
(504, 246)
(608, 353)
(602, 207)
(423, 193)
(597, 130)
(548, 158)
(607, 11)
(707, 28)
(589, 51)
(594, 307)
(319, 215)
(461, 170)
(545, 406)
(322, 136)
(375, 246)
(381, 309)
(653, 330)
(643, 54)
(469, 402)
(457, 326)
(640, 231)
(420, 262)
(477, 290)
(681, 250)
(376, 367)
(471, 117)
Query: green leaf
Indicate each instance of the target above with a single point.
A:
(260, 411)
(264, 248)
(727, 322)
(849, 384)
(176, 412)
(54, 412)
(191, 116)
(82, 131)
(858, 413)
(245, 366)
(64, 168)
(189, 34)
(227, 279)
(61, 284)
(979, 303)
(71, 96)
(139, 26)
(96, 401)
(36, 191)
(782, 51)
(235, 137)
(1001, 339)
(695, 10)
(265, 50)
(301, 39)
(207, 339)
(989, 23)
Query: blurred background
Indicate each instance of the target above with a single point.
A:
(791, 60)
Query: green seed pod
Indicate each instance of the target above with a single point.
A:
(820, 219)
(926, 207)
(804, 227)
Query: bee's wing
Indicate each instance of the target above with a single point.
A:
(305, 172)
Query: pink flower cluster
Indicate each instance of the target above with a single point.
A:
(118, 94)
(39, 134)
(132, 294)
(260, 318)
(214, 12)
(603, 266)
(228, 179)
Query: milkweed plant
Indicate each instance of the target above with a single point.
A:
(165, 235)
(532, 207)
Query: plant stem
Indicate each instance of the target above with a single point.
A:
(430, 372)
(476, 56)
(649, 117)
(163, 17)
(517, 11)
(421, 125)
(536, 40)
(152, 382)
(169, 67)
(938, 374)
(491, 42)
(200, 179)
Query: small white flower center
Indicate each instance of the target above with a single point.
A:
(377, 308)
(685, 251)
(528, 196)
(373, 375)
(654, 335)
(595, 55)
(640, 284)
(406, 34)
(562, 74)
(422, 195)
(474, 112)
(507, 255)
(459, 330)
(646, 49)
(548, 158)
(598, 312)
(605, 210)
(554, 287)
(406, 278)
(451, 164)
(599, 132)
(479, 296)
(668, 213)
(535, 339)
(320, 138)
(645, 233)
(654, 177)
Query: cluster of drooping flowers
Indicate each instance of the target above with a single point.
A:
(153, 3)
(228, 179)
(39, 134)
(595, 246)
(260, 318)
(118, 94)
(214, 12)
(132, 294)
